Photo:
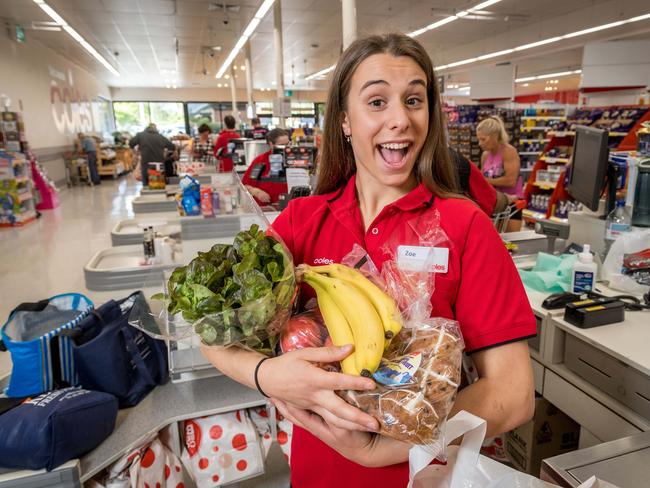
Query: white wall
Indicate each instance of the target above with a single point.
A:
(54, 96)
(128, 94)
(619, 97)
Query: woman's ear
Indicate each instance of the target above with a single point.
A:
(345, 125)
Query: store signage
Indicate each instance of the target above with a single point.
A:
(288, 93)
(72, 111)
(282, 107)
(20, 34)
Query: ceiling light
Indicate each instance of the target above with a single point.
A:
(76, 36)
(227, 76)
(242, 67)
(226, 85)
(234, 66)
(526, 84)
(550, 40)
(549, 75)
(483, 5)
(320, 73)
(465, 88)
(218, 85)
(250, 28)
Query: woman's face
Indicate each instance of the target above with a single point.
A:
(387, 117)
(488, 142)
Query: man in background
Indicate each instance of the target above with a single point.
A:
(222, 149)
(88, 146)
(265, 192)
(258, 131)
(152, 147)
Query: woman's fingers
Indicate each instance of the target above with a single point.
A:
(334, 421)
(347, 412)
(340, 381)
(325, 354)
(284, 411)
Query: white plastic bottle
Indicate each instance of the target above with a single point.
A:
(583, 277)
(618, 222)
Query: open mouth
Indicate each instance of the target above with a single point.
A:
(394, 153)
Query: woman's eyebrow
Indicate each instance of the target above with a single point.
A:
(417, 81)
(372, 82)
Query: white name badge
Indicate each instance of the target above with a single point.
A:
(423, 258)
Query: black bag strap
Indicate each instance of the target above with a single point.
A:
(132, 348)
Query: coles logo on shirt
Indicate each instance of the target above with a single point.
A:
(323, 261)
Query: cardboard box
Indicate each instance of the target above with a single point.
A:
(549, 433)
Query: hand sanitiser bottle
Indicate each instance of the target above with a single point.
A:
(583, 277)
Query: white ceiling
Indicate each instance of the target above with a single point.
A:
(139, 37)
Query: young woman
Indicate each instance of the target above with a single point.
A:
(499, 161)
(383, 164)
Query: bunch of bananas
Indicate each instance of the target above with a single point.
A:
(356, 311)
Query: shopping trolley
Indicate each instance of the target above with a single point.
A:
(502, 218)
(76, 169)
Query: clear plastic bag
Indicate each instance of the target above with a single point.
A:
(304, 330)
(232, 294)
(420, 372)
(627, 265)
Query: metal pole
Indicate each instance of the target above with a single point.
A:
(233, 96)
(279, 59)
(349, 16)
(249, 79)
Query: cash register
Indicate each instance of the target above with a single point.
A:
(292, 165)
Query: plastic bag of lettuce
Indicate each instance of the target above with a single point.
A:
(235, 294)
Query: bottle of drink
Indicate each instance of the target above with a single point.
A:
(148, 243)
(617, 222)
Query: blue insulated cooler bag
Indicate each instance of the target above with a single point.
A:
(114, 357)
(41, 355)
(48, 430)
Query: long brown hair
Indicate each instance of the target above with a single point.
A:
(433, 166)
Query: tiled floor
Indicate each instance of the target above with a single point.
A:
(46, 257)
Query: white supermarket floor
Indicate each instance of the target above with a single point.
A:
(46, 257)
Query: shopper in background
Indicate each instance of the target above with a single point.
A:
(221, 148)
(151, 145)
(258, 131)
(203, 146)
(500, 162)
(88, 146)
(266, 192)
(384, 126)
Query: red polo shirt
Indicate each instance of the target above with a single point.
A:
(222, 142)
(273, 188)
(481, 290)
(481, 191)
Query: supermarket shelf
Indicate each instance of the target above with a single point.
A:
(534, 128)
(562, 133)
(529, 153)
(542, 117)
(551, 160)
(558, 219)
(534, 140)
(617, 134)
(545, 185)
(532, 214)
(24, 196)
(525, 170)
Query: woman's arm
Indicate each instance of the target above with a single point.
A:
(504, 396)
(511, 166)
(294, 377)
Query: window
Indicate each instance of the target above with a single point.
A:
(134, 117)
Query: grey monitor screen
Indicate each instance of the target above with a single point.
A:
(589, 165)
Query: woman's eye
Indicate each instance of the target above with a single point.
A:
(413, 101)
(376, 103)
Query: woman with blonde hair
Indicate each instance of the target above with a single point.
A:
(500, 162)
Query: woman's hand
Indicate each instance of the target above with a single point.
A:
(295, 378)
(355, 445)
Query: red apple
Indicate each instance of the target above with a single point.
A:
(302, 331)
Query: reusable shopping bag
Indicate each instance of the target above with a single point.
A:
(40, 352)
(114, 357)
(50, 429)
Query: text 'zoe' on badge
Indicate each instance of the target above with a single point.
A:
(423, 258)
